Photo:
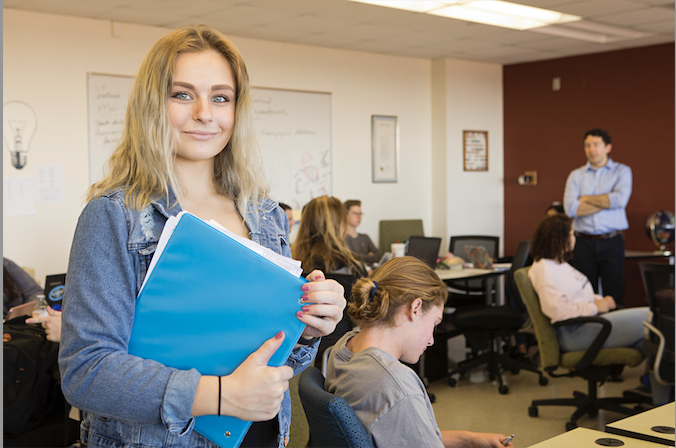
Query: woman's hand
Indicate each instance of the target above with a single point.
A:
(51, 324)
(328, 302)
(605, 304)
(253, 392)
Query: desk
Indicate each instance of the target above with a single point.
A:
(474, 273)
(646, 255)
(648, 425)
(587, 438)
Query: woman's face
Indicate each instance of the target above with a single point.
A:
(421, 335)
(201, 105)
(571, 240)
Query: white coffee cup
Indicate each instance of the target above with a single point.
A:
(398, 249)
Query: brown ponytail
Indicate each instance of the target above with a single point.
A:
(376, 299)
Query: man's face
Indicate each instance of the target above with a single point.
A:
(596, 151)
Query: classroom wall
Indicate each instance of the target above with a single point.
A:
(47, 57)
(630, 93)
(474, 199)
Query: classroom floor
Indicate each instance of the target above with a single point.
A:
(479, 407)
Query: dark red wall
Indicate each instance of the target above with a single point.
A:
(630, 93)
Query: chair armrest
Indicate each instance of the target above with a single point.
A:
(596, 344)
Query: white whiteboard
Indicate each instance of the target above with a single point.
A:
(294, 133)
(107, 101)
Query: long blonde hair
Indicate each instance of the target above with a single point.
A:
(143, 162)
(321, 237)
(399, 282)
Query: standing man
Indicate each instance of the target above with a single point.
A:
(595, 197)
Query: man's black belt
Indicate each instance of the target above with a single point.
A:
(603, 236)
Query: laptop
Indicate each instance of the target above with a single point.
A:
(424, 248)
(479, 256)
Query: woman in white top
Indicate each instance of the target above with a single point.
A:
(566, 293)
(397, 309)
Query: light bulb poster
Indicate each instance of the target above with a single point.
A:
(18, 128)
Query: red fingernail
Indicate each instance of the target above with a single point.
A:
(306, 297)
(306, 287)
(300, 314)
(306, 308)
(279, 335)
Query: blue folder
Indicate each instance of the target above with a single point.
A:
(208, 304)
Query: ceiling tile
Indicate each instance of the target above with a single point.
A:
(647, 15)
(596, 8)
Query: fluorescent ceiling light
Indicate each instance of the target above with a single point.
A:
(590, 32)
(489, 12)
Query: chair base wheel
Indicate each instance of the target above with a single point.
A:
(504, 390)
(533, 411)
(543, 381)
(452, 381)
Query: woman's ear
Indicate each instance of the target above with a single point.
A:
(415, 309)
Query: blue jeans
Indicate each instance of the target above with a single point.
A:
(627, 331)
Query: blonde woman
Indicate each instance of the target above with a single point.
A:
(320, 243)
(397, 308)
(188, 144)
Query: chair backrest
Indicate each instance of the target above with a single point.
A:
(332, 421)
(548, 343)
(656, 277)
(458, 243)
(400, 230)
(519, 261)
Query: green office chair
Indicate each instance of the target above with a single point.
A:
(398, 231)
(594, 365)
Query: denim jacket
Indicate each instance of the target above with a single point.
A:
(126, 399)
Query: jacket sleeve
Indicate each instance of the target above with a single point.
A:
(98, 374)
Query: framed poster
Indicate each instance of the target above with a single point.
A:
(385, 148)
(475, 150)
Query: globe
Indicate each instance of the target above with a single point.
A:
(660, 227)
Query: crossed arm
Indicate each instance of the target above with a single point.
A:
(592, 204)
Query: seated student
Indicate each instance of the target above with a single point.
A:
(320, 243)
(555, 209)
(359, 243)
(293, 227)
(566, 293)
(397, 307)
(18, 287)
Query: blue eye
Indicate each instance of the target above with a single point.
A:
(220, 99)
(182, 96)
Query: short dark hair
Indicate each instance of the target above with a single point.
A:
(284, 206)
(596, 132)
(351, 203)
(550, 239)
(558, 207)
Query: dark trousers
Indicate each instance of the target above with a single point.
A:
(604, 259)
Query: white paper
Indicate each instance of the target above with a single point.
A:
(49, 183)
(288, 264)
(19, 196)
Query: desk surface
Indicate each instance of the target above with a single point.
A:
(462, 274)
(586, 438)
(636, 254)
(647, 425)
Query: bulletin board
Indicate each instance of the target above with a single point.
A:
(475, 150)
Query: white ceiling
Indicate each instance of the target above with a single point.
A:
(361, 27)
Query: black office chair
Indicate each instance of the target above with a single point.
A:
(345, 324)
(486, 326)
(658, 280)
(470, 291)
(332, 421)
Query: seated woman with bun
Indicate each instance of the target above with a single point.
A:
(397, 308)
(566, 293)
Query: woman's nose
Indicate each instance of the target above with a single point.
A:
(202, 111)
